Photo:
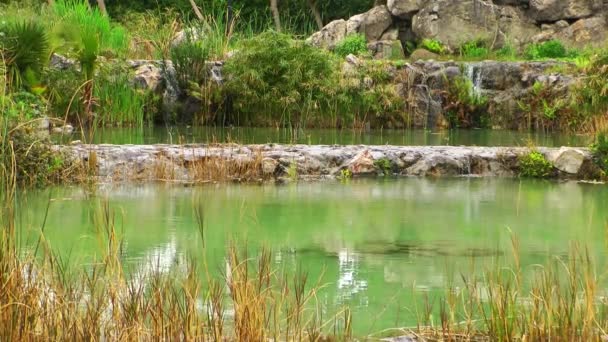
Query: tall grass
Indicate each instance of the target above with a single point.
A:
(121, 104)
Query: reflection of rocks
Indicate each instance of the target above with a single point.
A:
(175, 162)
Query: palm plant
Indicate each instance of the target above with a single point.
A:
(25, 49)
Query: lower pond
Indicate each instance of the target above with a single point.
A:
(373, 245)
(480, 137)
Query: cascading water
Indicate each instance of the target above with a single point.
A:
(473, 73)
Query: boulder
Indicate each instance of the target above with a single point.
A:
(404, 8)
(375, 23)
(330, 35)
(362, 163)
(423, 55)
(568, 160)
(456, 22)
(188, 34)
(387, 49)
(583, 32)
(554, 10)
(60, 62)
(149, 77)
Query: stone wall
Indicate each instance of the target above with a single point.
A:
(204, 163)
(577, 23)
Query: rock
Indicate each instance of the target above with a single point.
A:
(350, 65)
(269, 166)
(387, 49)
(44, 123)
(568, 160)
(456, 22)
(423, 55)
(66, 129)
(60, 62)
(189, 34)
(362, 163)
(404, 8)
(582, 33)
(375, 23)
(554, 10)
(148, 77)
(330, 35)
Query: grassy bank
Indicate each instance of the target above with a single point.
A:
(272, 79)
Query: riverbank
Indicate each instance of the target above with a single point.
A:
(253, 163)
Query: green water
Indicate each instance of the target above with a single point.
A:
(483, 137)
(373, 244)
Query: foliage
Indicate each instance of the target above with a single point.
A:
(35, 162)
(548, 49)
(534, 165)
(274, 77)
(189, 60)
(355, 44)
(74, 17)
(384, 165)
(24, 46)
(600, 151)
(464, 106)
(120, 104)
(507, 52)
(432, 45)
(474, 49)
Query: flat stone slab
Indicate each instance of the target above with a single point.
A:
(204, 163)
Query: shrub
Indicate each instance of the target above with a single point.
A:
(432, 45)
(475, 49)
(279, 80)
(463, 105)
(506, 52)
(189, 60)
(534, 165)
(600, 151)
(24, 48)
(355, 44)
(548, 49)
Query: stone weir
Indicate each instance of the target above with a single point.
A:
(205, 163)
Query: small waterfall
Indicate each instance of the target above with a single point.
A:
(473, 73)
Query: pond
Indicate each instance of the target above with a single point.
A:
(373, 245)
(417, 137)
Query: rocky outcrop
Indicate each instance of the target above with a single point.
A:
(517, 22)
(201, 163)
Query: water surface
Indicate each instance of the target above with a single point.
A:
(374, 244)
(417, 137)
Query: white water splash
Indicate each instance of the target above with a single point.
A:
(473, 73)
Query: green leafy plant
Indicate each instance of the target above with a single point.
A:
(279, 80)
(189, 61)
(534, 165)
(24, 47)
(474, 49)
(464, 106)
(600, 151)
(384, 165)
(345, 175)
(355, 44)
(432, 45)
(548, 49)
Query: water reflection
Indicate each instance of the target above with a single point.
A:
(369, 242)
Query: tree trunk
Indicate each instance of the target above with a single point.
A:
(312, 4)
(102, 7)
(196, 10)
(274, 8)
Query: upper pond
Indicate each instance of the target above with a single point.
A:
(481, 137)
(372, 244)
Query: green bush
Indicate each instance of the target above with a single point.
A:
(355, 44)
(534, 165)
(279, 80)
(24, 48)
(600, 151)
(548, 49)
(432, 45)
(189, 60)
(475, 49)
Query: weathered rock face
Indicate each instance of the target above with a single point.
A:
(195, 163)
(575, 22)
